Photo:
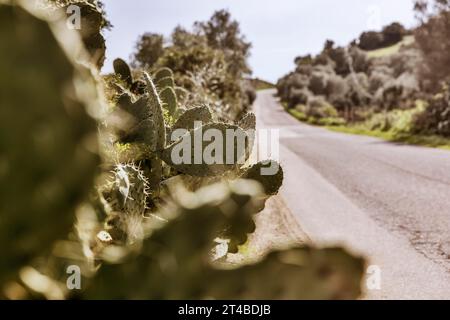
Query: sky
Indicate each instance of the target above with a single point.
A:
(279, 30)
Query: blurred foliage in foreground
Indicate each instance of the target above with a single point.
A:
(144, 227)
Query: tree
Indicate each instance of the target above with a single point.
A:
(393, 34)
(370, 40)
(433, 39)
(149, 48)
(224, 34)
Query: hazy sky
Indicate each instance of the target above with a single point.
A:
(279, 30)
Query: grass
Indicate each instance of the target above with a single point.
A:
(390, 50)
(336, 125)
(411, 139)
(329, 121)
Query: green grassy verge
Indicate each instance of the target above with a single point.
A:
(330, 121)
(412, 139)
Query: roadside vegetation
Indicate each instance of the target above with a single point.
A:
(94, 206)
(393, 84)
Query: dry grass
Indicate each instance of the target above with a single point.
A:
(392, 49)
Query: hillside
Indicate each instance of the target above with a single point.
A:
(372, 86)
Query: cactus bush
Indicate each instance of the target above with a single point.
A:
(125, 201)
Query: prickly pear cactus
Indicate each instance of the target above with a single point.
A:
(188, 118)
(196, 156)
(123, 72)
(125, 199)
(268, 173)
(245, 195)
(48, 141)
(248, 122)
(144, 119)
(165, 82)
(182, 94)
(169, 99)
(184, 244)
(156, 109)
(122, 69)
(163, 73)
(137, 123)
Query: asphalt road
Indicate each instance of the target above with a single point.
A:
(388, 202)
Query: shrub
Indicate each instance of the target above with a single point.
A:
(393, 34)
(337, 90)
(299, 96)
(433, 40)
(370, 41)
(318, 83)
(406, 60)
(390, 35)
(318, 107)
(359, 86)
(360, 60)
(290, 82)
(435, 119)
(304, 69)
(341, 61)
(379, 75)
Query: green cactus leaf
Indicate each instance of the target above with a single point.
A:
(195, 155)
(123, 70)
(137, 124)
(247, 196)
(268, 173)
(169, 100)
(188, 118)
(181, 93)
(157, 112)
(163, 73)
(248, 122)
(144, 121)
(48, 142)
(139, 109)
(126, 201)
(165, 82)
